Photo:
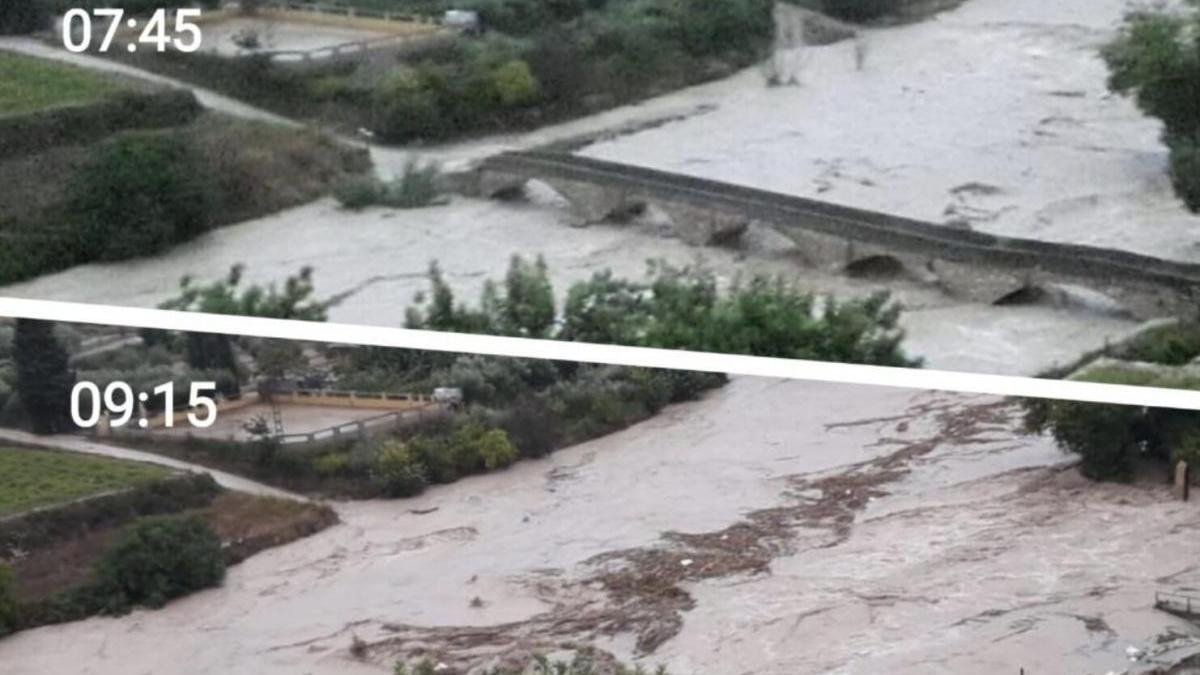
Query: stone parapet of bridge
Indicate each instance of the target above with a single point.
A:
(973, 265)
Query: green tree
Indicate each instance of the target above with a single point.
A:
(496, 450)
(138, 194)
(678, 309)
(23, 16)
(515, 84)
(157, 559)
(527, 308)
(713, 26)
(226, 296)
(398, 471)
(1156, 58)
(44, 380)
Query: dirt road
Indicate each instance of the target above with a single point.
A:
(81, 444)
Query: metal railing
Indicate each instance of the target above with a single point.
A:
(1177, 603)
(350, 12)
(358, 428)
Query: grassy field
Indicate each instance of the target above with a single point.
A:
(28, 84)
(32, 478)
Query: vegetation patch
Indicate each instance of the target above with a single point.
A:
(1156, 59)
(535, 63)
(28, 84)
(108, 557)
(140, 192)
(1111, 440)
(526, 408)
(34, 478)
(247, 524)
(417, 187)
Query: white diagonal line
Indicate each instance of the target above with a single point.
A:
(734, 364)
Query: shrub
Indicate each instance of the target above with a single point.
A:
(1110, 438)
(416, 188)
(1172, 346)
(359, 192)
(156, 559)
(398, 472)
(1185, 168)
(1102, 435)
(332, 465)
(535, 427)
(710, 27)
(515, 84)
(435, 456)
(137, 195)
(407, 109)
(496, 450)
(1187, 449)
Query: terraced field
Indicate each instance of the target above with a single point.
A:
(32, 478)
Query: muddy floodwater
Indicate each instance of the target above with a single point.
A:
(774, 527)
(373, 264)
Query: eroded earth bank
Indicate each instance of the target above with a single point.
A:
(765, 529)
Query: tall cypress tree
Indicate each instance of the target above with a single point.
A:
(44, 380)
(23, 16)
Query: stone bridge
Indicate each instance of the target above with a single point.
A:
(973, 265)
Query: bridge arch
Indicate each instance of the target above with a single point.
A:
(876, 266)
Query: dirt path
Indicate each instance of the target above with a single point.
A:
(80, 444)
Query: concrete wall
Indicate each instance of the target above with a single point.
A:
(965, 263)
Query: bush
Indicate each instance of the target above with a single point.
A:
(137, 195)
(407, 108)
(1187, 449)
(1171, 346)
(332, 465)
(416, 188)
(712, 27)
(1185, 168)
(157, 559)
(359, 192)
(515, 84)
(1109, 439)
(496, 450)
(1102, 435)
(398, 472)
